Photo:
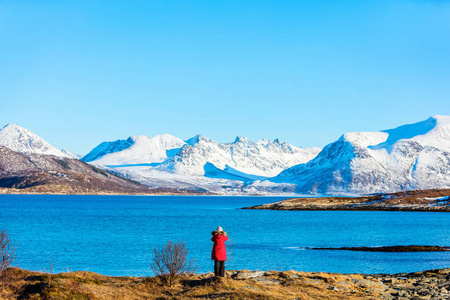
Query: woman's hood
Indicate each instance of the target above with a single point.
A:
(219, 232)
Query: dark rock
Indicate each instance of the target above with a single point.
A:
(411, 248)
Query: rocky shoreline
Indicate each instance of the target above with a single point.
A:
(431, 284)
(419, 200)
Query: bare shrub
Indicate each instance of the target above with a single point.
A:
(7, 251)
(48, 273)
(170, 262)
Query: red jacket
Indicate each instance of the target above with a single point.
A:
(218, 251)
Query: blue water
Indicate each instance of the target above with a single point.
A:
(115, 235)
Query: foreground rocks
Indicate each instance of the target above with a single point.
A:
(242, 284)
(419, 200)
(433, 284)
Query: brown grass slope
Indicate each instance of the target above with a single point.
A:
(418, 200)
(21, 284)
(432, 284)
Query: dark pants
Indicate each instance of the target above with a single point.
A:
(219, 268)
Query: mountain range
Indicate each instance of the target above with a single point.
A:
(413, 156)
(199, 156)
(199, 162)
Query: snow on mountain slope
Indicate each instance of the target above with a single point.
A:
(23, 140)
(242, 158)
(106, 148)
(231, 186)
(70, 154)
(413, 156)
(135, 150)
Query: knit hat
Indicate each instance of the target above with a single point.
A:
(219, 229)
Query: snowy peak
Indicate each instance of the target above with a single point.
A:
(160, 142)
(139, 149)
(194, 140)
(23, 140)
(242, 139)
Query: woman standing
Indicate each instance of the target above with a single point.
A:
(219, 254)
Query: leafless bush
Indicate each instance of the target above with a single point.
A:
(170, 262)
(7, 251)
(49, 272)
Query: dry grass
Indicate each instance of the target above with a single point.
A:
(273, 285)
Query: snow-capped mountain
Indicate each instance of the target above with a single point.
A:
(135, 150)
(414, 156)
(23, 140)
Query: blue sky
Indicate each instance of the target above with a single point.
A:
(81, 72)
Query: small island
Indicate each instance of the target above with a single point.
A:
(437, 200)
(411, 248)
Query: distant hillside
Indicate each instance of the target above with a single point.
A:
(38, 173)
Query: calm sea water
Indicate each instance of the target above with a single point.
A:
(115, 235)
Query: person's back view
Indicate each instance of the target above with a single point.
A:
(219, 253)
